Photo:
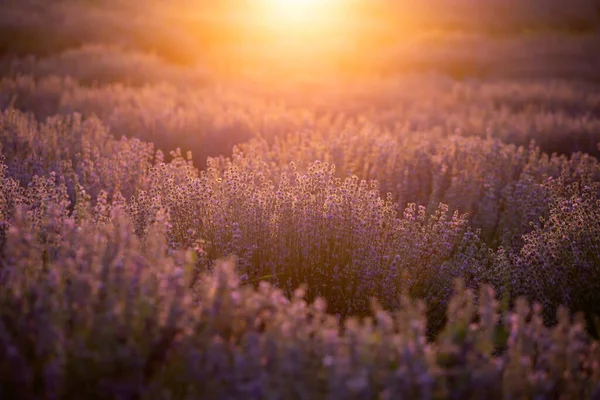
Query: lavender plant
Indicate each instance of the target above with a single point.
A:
(102, 293)
(111, 316)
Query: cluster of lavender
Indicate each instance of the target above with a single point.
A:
(210, 119)
(499, 185)
(339, 236)
(90, 309)
(331, 227)
(426, 161)
(562, 254)
(513, 198)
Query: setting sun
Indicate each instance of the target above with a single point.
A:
(299, 16)
(294, 11)
(298, 32)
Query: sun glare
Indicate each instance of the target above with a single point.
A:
(304, 35)
(294, 11)
(299, 16)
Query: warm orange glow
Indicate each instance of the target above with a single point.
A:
(291, 37)
(298, 34)
(298, 17)
(295, 13)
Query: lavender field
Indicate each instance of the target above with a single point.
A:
(197, 206)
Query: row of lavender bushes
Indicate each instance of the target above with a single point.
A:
(91, 309)
(209, 119)
(501, 186)
(305, 222)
